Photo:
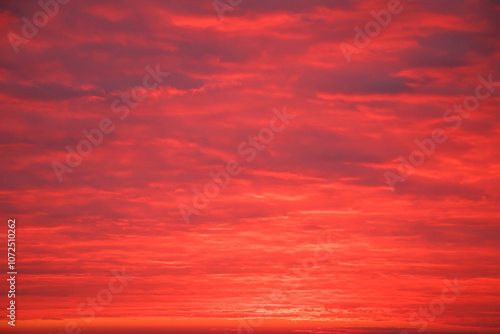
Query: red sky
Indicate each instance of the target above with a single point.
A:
(323, 176)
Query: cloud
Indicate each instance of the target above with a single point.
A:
(322, 175)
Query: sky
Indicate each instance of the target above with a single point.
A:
(251, 166)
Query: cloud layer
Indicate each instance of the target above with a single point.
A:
(322, 175)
